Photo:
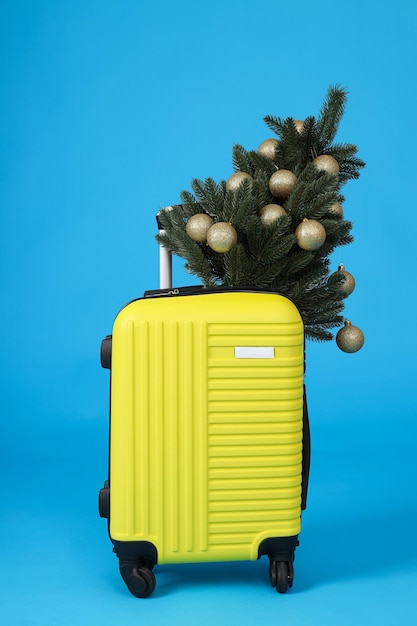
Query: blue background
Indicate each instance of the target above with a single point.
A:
(107, 111)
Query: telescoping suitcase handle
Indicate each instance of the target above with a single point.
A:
(165, 268)
(165, 273)
(165, 260)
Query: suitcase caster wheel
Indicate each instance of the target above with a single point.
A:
(148, 563)
(281, 575)
(140, 581)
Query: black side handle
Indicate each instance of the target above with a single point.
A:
(306, 453)
(105, 352)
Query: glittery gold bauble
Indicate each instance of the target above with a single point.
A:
(326, 163)
(221, 237)
(270, 213)
(310, 234)
(233, 183)
(282, 183)
(268, 148)
(336, 208)
(350, 338)
(347, 285)
(197, 227)
(299, 125)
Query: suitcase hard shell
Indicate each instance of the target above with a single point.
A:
(206, 433)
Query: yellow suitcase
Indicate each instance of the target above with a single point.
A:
(209, 441)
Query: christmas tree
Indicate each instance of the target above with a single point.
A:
(275, 222)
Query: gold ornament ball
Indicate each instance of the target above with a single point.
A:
(268, 148)
(336, 208)
(281, 183)
(310, 234)
(221, 237)
(299, 125)
(198, 226)
(326, 163)
(270, 213)
(348, 284)
(350, 338)
(235, 180)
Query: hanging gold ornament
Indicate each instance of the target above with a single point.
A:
(299, 125)
(336, 208)
(281, 183)
(270, 213)
(326, 163)
(347, 285)
(221, 237)
(350, 338)
(310, 234)
(198, 226)
(268, 148)
(235, 180)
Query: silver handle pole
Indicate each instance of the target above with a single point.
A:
(165, 267)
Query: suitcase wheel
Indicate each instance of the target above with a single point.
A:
(140, 580)
(281, 574)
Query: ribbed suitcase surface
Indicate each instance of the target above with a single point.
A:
(206, 424)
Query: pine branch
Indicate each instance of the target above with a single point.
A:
(330, 115)
(260, 190)
(321, 205)
(243, 206)
(295, 263)
(261, 162)
(237, 267)
(189, 204)
(342, 151)
(337, 234)
(276, 124)
(293, 153)
(312, 279)
(269, 243)
(240, 160)
(236, 205)
(349, 169)
(209, 194)
(316, 333)
(268, 256)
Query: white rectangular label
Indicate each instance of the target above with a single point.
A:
(252, 352)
